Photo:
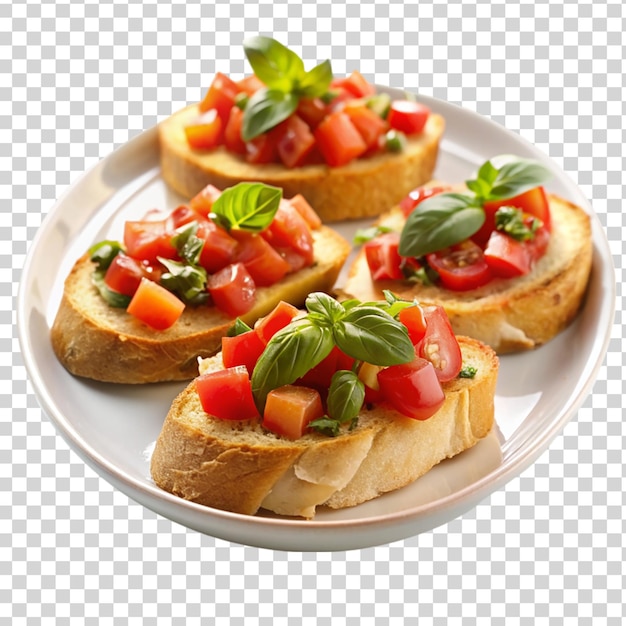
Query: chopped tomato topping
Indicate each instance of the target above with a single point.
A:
(203, 201)
(339, 140)
(415, 197)
(232, 289)
(461, 267)
(369, 124)
(300, 204)
(124, 274)
(149, 239)
(244, 349)
(290, 408)
(280, 316)
(232, 132)
(219, 247)
(356, 84)
(294, 141)
(227, 394)
(408, 116)
(206, 132)
(413, 318)
(155, 306)
(383, 258)
(220, 96)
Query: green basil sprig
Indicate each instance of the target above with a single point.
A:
(246, 206)
(102, 254)
(363, 331)
(187, 281)
(286, 80)
(509, 220)
(448, 218)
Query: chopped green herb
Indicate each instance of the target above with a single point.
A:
(468, 371)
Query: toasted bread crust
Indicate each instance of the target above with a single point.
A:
(363, 188)
(509, 315)
(240, 467)
(95, 340)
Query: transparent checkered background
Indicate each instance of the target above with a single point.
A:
(76, 82)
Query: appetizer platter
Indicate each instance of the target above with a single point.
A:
(115, 427)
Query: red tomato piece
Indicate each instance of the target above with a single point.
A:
(356, 84)
(203, 201)
(220, 96)
(227, 394)
(263, 262)
(155, 306)
(383, 258)
(250, 84)
(232, 289)
(300, 204)
(507, 257)
(461, 267)
(149, 239)
(262, 149)
(408, 116)
(369, 124)
(415, 197)
(244, 349)
(232, 132)
(289, 409)
(294, 141)
(439, 345)
(290, 230)
(180, 216)
(413, 318)
(338, 139)
(219, 247)
(312, 111)
(279, 317)
(319, 376)
(124, 274)
(534, 202)
(206, 132)
(412, 389)
(539, 244)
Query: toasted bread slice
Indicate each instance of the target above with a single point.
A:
(510, 315)
(240, 467)
(95, 340)
(363, 188)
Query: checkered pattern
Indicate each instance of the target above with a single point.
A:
(78, 80)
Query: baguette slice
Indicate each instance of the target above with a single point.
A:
(240, 467)
(363, 188)
(509, 315)
(95, 340)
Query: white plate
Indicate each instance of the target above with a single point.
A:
(113, 428)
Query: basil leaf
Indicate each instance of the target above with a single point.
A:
(315, 82)
(439, 222)
(188, 246)
(266, 109)
(289, 354)
(468, 371)
(516, 177)
(103, 253)
(274, 64)
(510, 220)
(238, 328)
(112, 298)
(322, 308)
(326, 426)
(345, 396)
(368, 333)
(363, 235)
(247, 206)
(187, 281)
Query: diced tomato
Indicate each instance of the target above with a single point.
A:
(534, 202)
(369, 124)
(244, 349)
(149, 239)
(413, 318)
(180, 216)
(155, 306)
(274, 321)
(227, 394)
(124, 274)
(356, 84)
(383, 258)
(203, 201)
(412, 389)
(219, 247)
(413, 198)
(439, 345)
(250, 84)
(264, 264)
(290, 230)
(539, 244)
(319, 377)
(408, 116)
(461, 267)
(340, 96)
(312, 111)
(232, 289)
(220, 96)
(262, 149)
(300, 204)
(507, 257)
(338, 139)
(206, 132)
(289, 409)
(294, 141)
(232, 132)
